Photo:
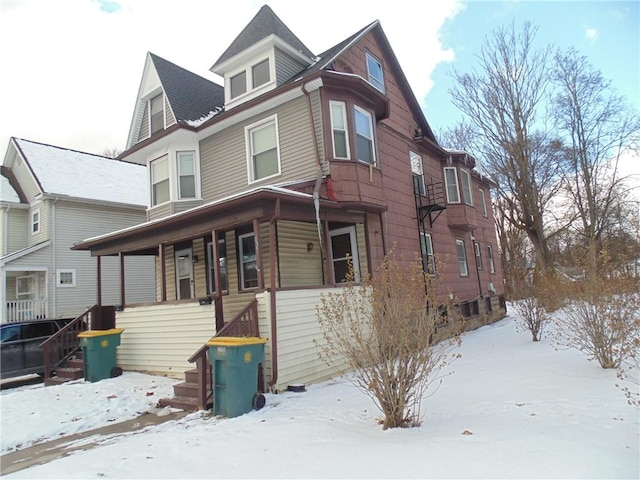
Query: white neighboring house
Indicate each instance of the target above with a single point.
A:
(51, 198)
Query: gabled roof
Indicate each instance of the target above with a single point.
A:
(10, 191)
(263, 24)
(84, 176)
(191, 96)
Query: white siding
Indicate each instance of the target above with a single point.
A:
(24, 178)
(161, 338)
(17, 229)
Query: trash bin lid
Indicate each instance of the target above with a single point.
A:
(99, 333)
(234, 341)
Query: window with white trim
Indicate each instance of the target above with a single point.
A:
(186, 168)
(26, 287)
(248, 262)
(160, 191)
(263, 152)
(338, 113)
(476, 246)
(365, 146)
(375, 72)
(249, 80)
(222, 262)
(465, 181)
(156, 114)
(462, 258)
(483, 202)
(65, 278)
(417, 173)
(35, 221)
(492, 266)
(238, 84)
(260, 73)
(426, 250)
(451, 184)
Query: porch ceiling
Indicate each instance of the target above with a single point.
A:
(262, 204)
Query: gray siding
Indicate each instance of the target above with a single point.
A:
(143, 132)
(17, 230)
(298, 266)
(224, 156)
(169, 119)
(286, 67)
(43, 234)
(24, 178)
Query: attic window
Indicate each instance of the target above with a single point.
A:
(375, 73)
(156, 113)
(238, 84)
(260, 73)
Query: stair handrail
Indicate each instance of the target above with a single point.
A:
(244, 324)
(65, 342)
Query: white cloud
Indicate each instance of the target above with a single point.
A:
(591, 34)
(71, 69)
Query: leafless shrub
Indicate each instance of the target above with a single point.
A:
(535, 303)
(603, 320)
(629, 372)
(383, 331)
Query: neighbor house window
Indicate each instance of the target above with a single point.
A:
(417, 173)
(426, 250)
(465, 181)
(160, 181)
(483, 202)
(451, 184)
(462, 258)
(248, 263)
(260, 73)
(156, 113)
(375, 73)
(222, 262)
(262, 149)
(35, 221)
(365, 149)
(339, 129)
(492, 266)
(186, 175)
(238, 84)
(65, 278)
(476, 246)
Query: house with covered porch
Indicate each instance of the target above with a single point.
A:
(263, 189)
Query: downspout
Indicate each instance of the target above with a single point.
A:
(272, 295)
(54, 259)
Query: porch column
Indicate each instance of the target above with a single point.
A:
(122, 285)
(218, 280)
(99, 280)
(163, 273)
(256, 236)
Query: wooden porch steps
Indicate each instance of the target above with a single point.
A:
(185, 394)
(73, 370)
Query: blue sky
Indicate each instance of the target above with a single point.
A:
(606, 32)
(75, 65)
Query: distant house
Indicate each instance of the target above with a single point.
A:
(262, 190)
(50, 198)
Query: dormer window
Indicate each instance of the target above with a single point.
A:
(238, 84)
(260, 73)
(250, 80)
(156, 113)
(375, 73)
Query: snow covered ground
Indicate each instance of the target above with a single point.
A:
(528, 411)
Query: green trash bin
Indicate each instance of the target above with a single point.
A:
(234, 364)
(99, 352)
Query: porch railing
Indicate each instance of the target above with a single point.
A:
(65, 342)
(244, 324)
(24, 310)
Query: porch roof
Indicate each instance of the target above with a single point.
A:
(22, 252)
(262, 203)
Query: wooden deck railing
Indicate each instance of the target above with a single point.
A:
(244, 324)
(23, 310)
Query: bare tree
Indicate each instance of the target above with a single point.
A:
(111, 152)
(598, 128)
(502, 100)
(383, 331)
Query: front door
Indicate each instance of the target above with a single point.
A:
(184, 274)
(344, 249)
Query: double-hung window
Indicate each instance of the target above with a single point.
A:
(476, 246)
(375, 72)
(365, 148)
(483, 202)
(186, 175)
(462, 258)
(222, 263)
(451, 184)
(426, 250)
(339, 129)
(260, 73)
(160, 181)
(35, 221)
(248, 263)
(492, 265)
(156, 113)
(465, 180)
(263, 155)
(238, 84)
(417, 173)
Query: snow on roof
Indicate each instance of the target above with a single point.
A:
(7, 193)
(201, 120)
(83, 175)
